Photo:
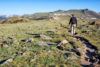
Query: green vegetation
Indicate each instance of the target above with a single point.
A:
(17, 41)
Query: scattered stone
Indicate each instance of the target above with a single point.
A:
(45, 37)
(92, 23)
(85, 63)
(9, 60)
(6, 61)
(63, 42)
(42, 43)
(97, 65)
(79, 49)
(29, 40)
(2, 61)
(97, 24)
(3, 45)
(6, 46)
(42, 36)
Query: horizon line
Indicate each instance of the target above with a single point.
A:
(47, 12)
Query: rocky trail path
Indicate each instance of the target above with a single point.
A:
(90, 56)
(89, 53)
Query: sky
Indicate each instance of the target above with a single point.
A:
(20, 7)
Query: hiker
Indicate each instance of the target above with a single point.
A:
(73, 24)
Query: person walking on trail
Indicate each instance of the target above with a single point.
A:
(73, 24)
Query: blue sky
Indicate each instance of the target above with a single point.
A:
(20, 7)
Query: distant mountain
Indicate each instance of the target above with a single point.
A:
(37, 16)
(91, 13)
(82, 13)
(59, 11)
(3, 17)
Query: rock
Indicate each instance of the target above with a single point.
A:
(85, 63)
(7, 61)
(63, 42)
(6, 46)
(42, 43)
(97, 23)
(29, 40)
(97, 65)
(79, 49)
(3, 45)
(45, 37)
(92, 23)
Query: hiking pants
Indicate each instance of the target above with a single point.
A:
(73, 26)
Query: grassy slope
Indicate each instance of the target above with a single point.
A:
(33, 55)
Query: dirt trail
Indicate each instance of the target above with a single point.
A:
(89, 57)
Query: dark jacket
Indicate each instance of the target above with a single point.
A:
(73, 20)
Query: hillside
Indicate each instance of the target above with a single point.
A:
(13, 19)
(44, 40)
(85, 14)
